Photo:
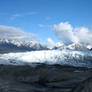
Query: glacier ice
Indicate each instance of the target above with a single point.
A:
(64, 57)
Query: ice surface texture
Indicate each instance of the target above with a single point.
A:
(64, 57)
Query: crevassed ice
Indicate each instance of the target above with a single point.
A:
(64, 57)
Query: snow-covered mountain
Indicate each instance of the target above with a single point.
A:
(20, 46)
(75, 54)
(14, 46)
(77, 46)
(74, 46)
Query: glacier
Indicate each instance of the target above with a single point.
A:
(50, 57)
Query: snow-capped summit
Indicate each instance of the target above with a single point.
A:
(89, 47)
(14, 46)
(14, 42)
(77, 46)
(57, 46)
(73, 46)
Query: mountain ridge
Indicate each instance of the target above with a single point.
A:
(74, 46)
(19, 46)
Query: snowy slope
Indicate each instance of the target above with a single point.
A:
(78, 46)
(74, 46)
(19, 46)
(75, 58)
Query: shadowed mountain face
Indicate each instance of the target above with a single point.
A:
(45, 78)
(19, 46)
(7, 46)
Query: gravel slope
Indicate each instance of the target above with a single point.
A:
(45, 78)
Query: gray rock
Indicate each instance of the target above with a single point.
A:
(45, 78)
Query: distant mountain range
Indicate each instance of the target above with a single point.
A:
(19, 46)
(74, 46)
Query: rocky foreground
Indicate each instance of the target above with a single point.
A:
(45, 78)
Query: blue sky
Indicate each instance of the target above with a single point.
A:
(37, 16)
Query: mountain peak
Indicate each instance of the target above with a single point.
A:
(74, 46)
(19, 46)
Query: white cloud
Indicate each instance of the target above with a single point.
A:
(84, 35)
(44, 26)
(32, 13)
(14, 16)
(64, 32)
(48, 18)
(41, 25)
(50, 43)
(68, 34)
(8, 32)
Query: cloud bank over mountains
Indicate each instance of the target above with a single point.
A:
(8, 32)
(50, 43)
(63, 31)
(68, 34)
